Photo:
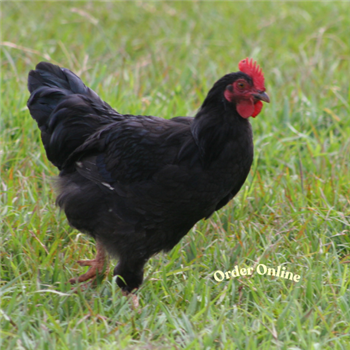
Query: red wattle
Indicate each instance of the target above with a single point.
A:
(257, 108)
(245, 108)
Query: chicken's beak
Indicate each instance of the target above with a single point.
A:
(262, 96)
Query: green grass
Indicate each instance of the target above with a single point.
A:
(161, 59)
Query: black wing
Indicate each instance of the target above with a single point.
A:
(134, 149)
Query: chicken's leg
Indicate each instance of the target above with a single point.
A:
(99, 265)
(130, 277)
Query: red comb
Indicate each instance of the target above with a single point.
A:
(251, 68)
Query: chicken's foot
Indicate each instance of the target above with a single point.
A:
(99, 266)
(133, 298)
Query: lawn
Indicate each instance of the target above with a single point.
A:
(161, 58)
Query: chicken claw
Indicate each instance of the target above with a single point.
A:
(99, 266)
(133, 298)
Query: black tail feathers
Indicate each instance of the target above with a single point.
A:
(50, 75)
(67, 112)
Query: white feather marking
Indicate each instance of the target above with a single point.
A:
(107, 185)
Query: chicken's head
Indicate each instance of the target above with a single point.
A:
(247, 90)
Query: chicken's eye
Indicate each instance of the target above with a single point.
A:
(241, 85)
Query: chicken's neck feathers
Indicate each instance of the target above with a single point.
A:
(214, 126)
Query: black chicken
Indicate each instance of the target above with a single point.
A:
(138, 184)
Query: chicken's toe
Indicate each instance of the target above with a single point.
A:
(133, 299)
(87, 262)
(99, 266)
